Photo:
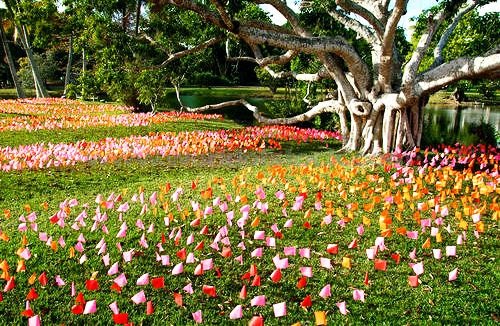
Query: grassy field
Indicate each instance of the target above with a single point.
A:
(302, 197)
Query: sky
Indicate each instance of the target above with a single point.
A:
(414, 8)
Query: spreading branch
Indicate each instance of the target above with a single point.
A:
(312, 45)
(438, 51)
(411, 68)
(387, 50)
(461, 68)
(198, 48)
(362, 30)
(351, 6)
(330, 106)
(223, 14)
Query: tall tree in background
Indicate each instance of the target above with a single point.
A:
(10, 61)
(380, 97)
(24, 13)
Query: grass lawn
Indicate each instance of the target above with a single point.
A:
(293, 202)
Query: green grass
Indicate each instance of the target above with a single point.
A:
(472, 299)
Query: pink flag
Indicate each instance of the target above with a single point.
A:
(289, 251)
(178, 269)
(342, 307)
(59, 281)
(451, 251)
(360, 229)
(259, 300)
(188, 288)
(143, 280)
(90, 307)
(127, 255)
(370, 253)
(207, 264)
(165, 260)
(114, 308)
(139, 297)
(279, 309)
(105, 259)
(197, 317)
(436, 253)
(259, 235)
(412, 234)
(121, 280)
(34, 321)
(280, 263)
(452, 276)
(306, 271)
(325, 291)
(113, 269)
(418, 268)
(257, 252)
(325, 263)
(413, 254)
(288, 223)
(305, 252)
(358, 295)
(236, 313)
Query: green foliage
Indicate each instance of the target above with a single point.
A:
(152, 87)
(482, 133)
(48, 65)
(265, 79)
(488, 88)
(207, 78)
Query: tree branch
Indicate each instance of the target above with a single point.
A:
(313, 45)
(351, 6)
(201, 10)
(364, 31)
(438, 51)
(461, 68)
(387, 50)
(198, 48)
(411, 69)
(223, 14)
(288, 13)
(330, 106)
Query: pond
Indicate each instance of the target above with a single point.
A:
(442, 124)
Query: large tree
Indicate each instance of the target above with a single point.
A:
(380, 97)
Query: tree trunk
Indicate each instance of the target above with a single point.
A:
(41, 90)
(68, 66)
(138, 16)
(10, 62)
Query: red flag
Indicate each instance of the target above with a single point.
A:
(121, 318)
(92, 285)
(32, 295)
(256, 281)
(178, 299)
(115, 287)
(43, 279)
(307, 302)
(79, 298)
(181, 254)
(243, 292)
(149, 308)
(256, 321)
(158, 282)
(302, 282)
(27, 313)
(209, 290)
(77, 309)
